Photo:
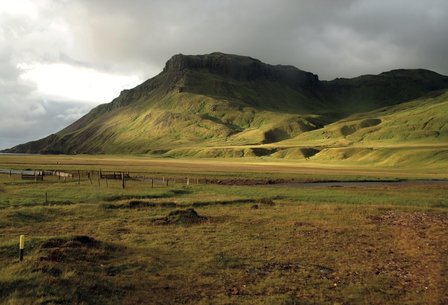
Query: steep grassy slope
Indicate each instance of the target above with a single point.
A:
(423, 120)
(409, 134)
(220, 105)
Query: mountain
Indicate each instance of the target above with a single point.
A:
(228, 105)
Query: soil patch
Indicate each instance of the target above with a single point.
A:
(248, 181)
(266, 201)
(182, 217)
(74, 248)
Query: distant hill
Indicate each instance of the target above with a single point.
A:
(221, 105)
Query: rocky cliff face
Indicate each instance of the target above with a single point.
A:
(242, 68)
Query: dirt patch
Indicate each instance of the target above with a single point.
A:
(248, 181)
(140, 204)
(416, 220)
(266, 201)
(222, 202)
(182, 217)
(74, 249)
(421, 242)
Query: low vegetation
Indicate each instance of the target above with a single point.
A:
(92, 243)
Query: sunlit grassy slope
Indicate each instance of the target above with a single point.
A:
(220, 105)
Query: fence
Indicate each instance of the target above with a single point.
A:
(154, 180)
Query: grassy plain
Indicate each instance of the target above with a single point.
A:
(259, 244)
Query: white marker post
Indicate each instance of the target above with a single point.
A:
(21, 247)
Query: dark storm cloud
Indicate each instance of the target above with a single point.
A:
(333, 38)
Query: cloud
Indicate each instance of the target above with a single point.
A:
(32, 120)
(65, 81)
(331, 38)
(42, 89)
(61, 53)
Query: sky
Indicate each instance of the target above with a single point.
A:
(60, 58)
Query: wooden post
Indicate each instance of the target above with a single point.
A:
(10, 173)
(79, 177)
(107, 183)
(122, 181)
(166, 181)
(46, 197)
(89, 175)
(152, 183)
(99, 180)
(35, 176)
(188, 181)
(21, 247)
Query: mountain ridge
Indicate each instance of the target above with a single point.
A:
(224, 100)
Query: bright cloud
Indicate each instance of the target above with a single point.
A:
(62, 81)
(18, 8)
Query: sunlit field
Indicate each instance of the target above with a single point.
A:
(199, 232)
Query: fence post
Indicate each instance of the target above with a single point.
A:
(122, 180)
(46, 197)
(21, 247)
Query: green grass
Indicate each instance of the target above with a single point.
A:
(314, 245)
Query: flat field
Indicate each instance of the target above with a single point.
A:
(89, 241)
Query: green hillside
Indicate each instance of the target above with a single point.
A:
(221, 105)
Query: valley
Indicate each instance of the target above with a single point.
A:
(225, 180)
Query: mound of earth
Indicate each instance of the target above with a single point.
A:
(183, 217)
(266, 201)
(74, 248)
